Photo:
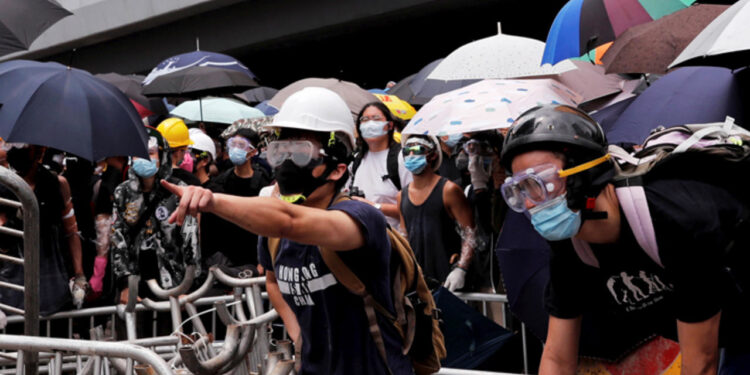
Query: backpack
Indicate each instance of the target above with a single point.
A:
(416, 317)
(391, 165)
(675, 152)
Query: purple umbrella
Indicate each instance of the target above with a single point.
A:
(690, 95)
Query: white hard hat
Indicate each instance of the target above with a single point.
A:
(203, 142)
(435, 142)
(316, 109)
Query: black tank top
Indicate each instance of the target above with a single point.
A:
(432, 233)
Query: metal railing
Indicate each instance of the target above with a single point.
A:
(30, 261)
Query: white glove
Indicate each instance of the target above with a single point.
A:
(78, 289)
(479, 177)
(455, 279)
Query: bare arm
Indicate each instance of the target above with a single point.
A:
(271, 217)
(560, 354)
(278, 303)
(401, 216)
(388, 209)
(71, 227)
(459, 209)
(699, 344)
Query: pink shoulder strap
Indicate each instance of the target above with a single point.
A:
(584, 252)
(634, 205)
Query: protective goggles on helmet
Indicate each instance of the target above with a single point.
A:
(417, 146)
(200, 154)
(240, 142)
(153, 145)
(299, 152)
(540, 184)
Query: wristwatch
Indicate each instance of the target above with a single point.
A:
(378, 206)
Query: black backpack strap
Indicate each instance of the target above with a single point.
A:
(392, 164)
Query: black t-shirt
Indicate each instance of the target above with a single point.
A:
(185, 177)
(335, 334)
(694, 223)
(219, 235)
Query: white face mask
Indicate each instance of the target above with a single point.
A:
(373, 129)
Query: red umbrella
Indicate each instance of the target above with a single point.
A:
(142, 111)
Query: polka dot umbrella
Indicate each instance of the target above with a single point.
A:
(486, 105)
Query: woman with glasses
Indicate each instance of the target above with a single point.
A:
(378, 169)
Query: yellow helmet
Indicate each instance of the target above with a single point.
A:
(175, 132)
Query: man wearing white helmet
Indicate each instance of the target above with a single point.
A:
(203, 152)
(316, 134)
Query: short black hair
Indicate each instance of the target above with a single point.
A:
(249, 134)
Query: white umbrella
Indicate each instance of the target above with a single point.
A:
(499, 56)
(724, 42)
(486, 105)
(218, 110)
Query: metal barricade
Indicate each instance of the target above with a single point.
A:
(30, 261)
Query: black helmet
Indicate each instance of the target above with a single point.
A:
(553, 127)
(570, 131)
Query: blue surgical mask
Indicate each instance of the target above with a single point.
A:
(238, 156)
(554, 220)
(373, 129)
(453, 140)
(144, 167)
(415, 163)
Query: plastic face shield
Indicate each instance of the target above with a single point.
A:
(299, 152)
(539, 185)
(239, 142)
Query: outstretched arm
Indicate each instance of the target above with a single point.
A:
(699, 344)
(271, 217)
(560, 354)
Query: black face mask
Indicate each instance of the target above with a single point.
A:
(297, 183)
(21, 160)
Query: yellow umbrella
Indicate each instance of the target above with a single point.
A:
(398, 107)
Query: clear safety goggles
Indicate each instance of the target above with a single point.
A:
(474, 147)
(153, 145)
(299, 152)
(240, 142)
(540, 184)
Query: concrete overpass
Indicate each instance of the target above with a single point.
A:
(366, 41)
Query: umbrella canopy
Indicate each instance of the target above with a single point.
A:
(582, 25)
(266, 109)
(489, 104)
(652, 46)
(588, 80)
(218, 110)
(417, 89)
(595, 55)
(196, 58)
(257, 95)
(197, 81)
(499, 56)
(51, 105)
(398, 107)
(724, 42)
(130, 85)
(354, 96)
(22, 21)
(691, 95)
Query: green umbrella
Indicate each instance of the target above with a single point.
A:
(218, 110)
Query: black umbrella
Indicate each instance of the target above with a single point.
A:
(22, 21)
(257, 95)
(417, 89)
(130, 85)
(199, 81)
(52, 105)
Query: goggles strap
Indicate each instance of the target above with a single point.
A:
(583, 167)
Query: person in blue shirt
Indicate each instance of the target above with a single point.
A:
(310, 158)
